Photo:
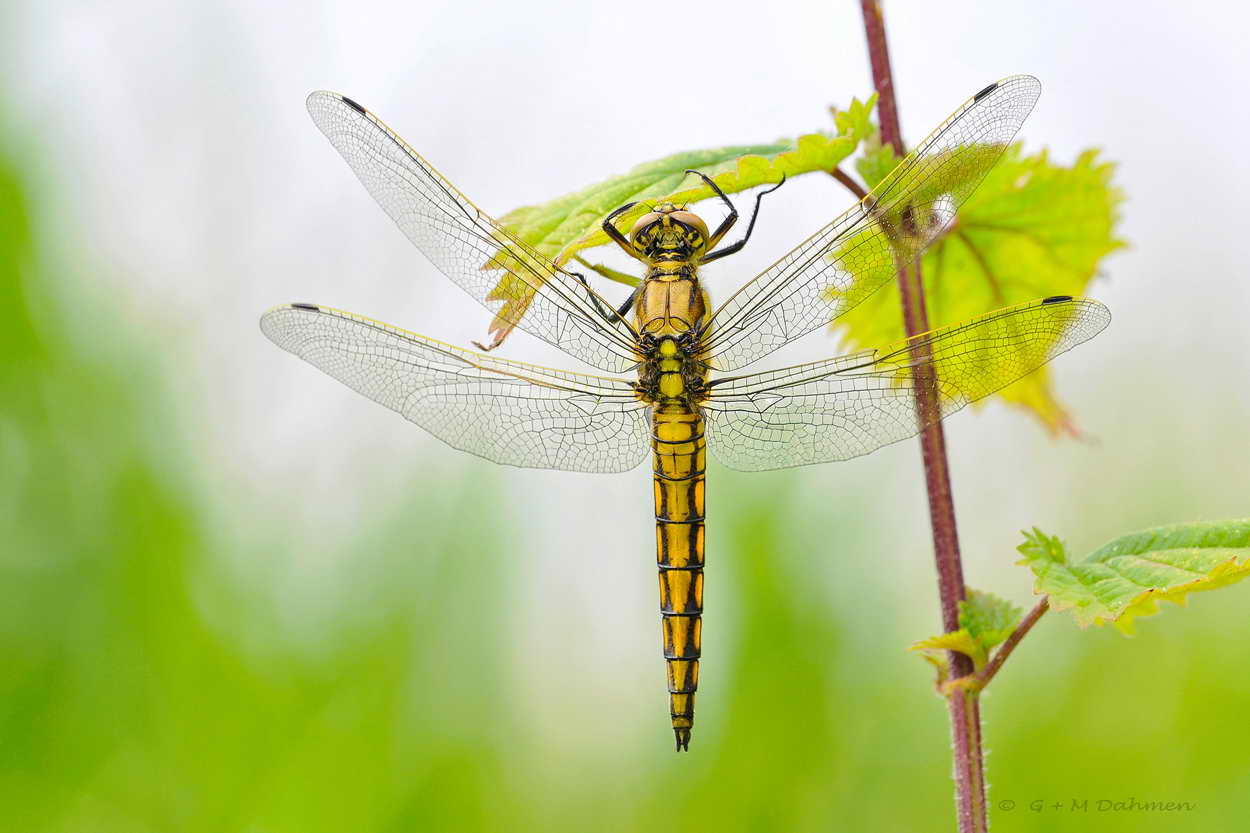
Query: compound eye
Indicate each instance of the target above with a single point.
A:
(644, 221)
(692, 221)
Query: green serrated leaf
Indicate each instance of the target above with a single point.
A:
(733, 169)
(989, 619)
(553, 228)
(985, 621)
(876, 160)
(960, 641)
(561, 228)
(1130, 576)
(1038, 546)
(855, 120)
(1030, 230)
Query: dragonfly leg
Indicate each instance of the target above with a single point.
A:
(725, 224)
(736, 247)
(609, 273)
(629, 302)
(616, 235)
(609, 315)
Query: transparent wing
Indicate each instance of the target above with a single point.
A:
(854, 404)
(518, 285)
(508, 412)
(856, 254)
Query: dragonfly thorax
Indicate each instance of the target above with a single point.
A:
(669, 232)
(670, 376)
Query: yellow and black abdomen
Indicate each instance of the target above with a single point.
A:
(680, 453)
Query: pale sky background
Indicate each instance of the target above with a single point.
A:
(180, 156)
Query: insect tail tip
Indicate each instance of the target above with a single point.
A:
(683, 739)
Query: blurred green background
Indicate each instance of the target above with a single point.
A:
(233, 596)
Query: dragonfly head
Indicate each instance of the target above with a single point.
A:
(669, 232)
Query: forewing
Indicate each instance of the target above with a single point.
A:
(508, 412)
(854, 404)
(521, 287)
(857, 254)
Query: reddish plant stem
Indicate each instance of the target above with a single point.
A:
(916, 320)
(964, 707)
(850, 183)
(1000, 656)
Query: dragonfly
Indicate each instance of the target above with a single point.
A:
(669, 386)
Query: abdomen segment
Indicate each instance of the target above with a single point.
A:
(680, 460)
